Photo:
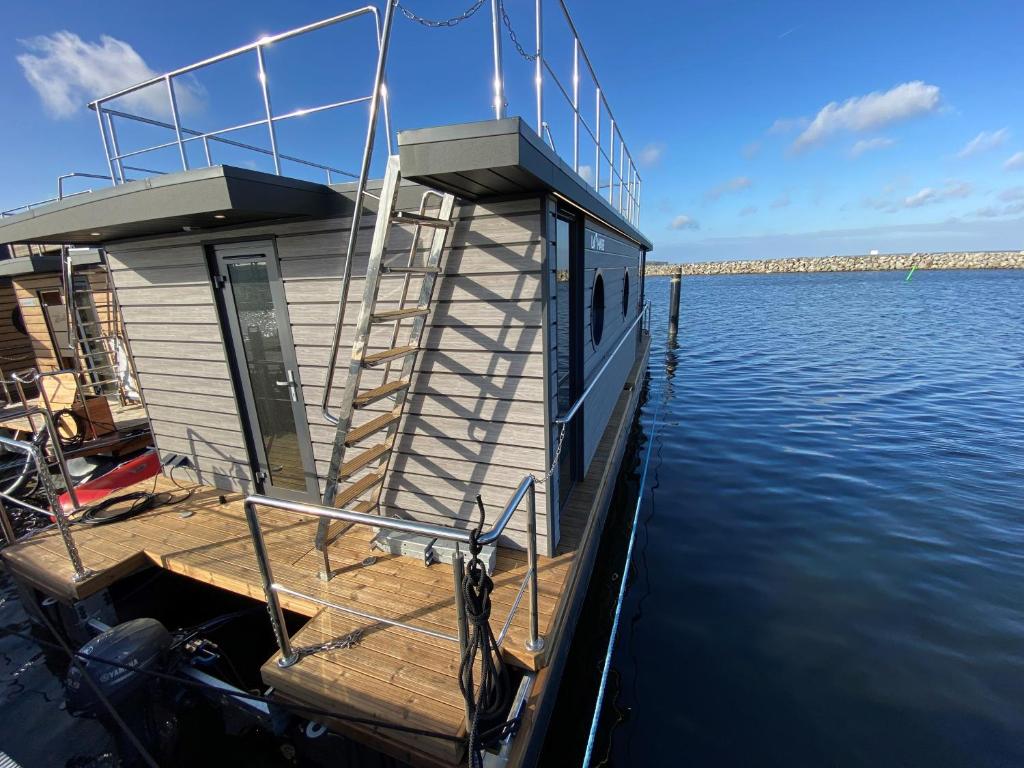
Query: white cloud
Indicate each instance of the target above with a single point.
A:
(1012, 194)
(733, 185)
(869, 145)
(984, 141)
(682, 221)
(651, 154)
(871, 111)
(67, 72)
(1015, 162)
(928, 195)
(749, 210)
(953, 190)
(995, 211)
(587, 173)
(782, 201)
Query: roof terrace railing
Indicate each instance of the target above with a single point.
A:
(613, 175)
(622, 184)
(182, 135)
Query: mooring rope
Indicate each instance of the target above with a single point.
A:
(484, 704)
(623, 583)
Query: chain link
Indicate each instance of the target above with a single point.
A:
(439, 23)
(558, 453)
(350, 640)
(512, 34)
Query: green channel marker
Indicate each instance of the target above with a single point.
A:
(911, 272)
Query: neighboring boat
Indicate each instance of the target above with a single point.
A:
(384, 394)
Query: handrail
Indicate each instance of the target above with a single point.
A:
(106, 116)
(271, 589)
(568, 415)
(52, 497)
(379, 88)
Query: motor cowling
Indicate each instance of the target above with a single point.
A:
(141, 644)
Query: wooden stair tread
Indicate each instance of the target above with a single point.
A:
(357, 489)
(388, 354)
(373, 395)
(368, 456)
(356, 434)
(388, 315)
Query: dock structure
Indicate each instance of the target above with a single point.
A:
(390, 674)
(343, 375)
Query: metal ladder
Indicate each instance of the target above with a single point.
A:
(341, 490)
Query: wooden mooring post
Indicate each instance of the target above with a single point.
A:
(673, 303)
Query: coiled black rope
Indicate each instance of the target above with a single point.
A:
(74, 438)
(485, 703)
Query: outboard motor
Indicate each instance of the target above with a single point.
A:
(143, 644)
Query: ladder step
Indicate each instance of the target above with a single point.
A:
(366, 457)
(373, 425)
(389, 315)
(357, 489)
(388, 354)
(373, 395)
(405, 217)
(412, 270)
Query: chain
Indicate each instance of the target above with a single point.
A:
(512, 34)
(558, 453)
(350, 640)
(438, 23)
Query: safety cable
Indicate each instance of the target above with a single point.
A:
(623, 583)
(439, 23)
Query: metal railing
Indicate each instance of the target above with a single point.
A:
(35, 453)
(107, 117)
(622, 187)
(641, 316)
(614, 174)
(458, 536)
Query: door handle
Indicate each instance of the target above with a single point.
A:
(291, 384)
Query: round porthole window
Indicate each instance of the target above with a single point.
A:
(597, 310)
(625, 292)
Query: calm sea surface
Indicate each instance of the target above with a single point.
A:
(831, 569)
(830, 566)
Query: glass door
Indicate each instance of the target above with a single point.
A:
(262, 357)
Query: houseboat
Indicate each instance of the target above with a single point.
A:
(390, 402)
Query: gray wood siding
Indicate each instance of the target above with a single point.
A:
(617, 258)
(171, 321)
(474, 420)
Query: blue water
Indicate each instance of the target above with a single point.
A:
(831, 571)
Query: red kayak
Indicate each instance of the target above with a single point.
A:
(131, 472)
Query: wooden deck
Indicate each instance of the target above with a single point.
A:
(391, 674)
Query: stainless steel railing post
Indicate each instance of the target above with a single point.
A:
(535, 641)
(458, 572)
(538, 64)
(499, 81)
(262, 64)
(288, 656)
(106, 143)
(5, 525)
(52, 497)
(175, 117)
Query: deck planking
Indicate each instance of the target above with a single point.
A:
(392, 674)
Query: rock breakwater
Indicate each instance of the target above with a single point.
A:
(871, 263)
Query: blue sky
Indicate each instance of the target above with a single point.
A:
(789, 128)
